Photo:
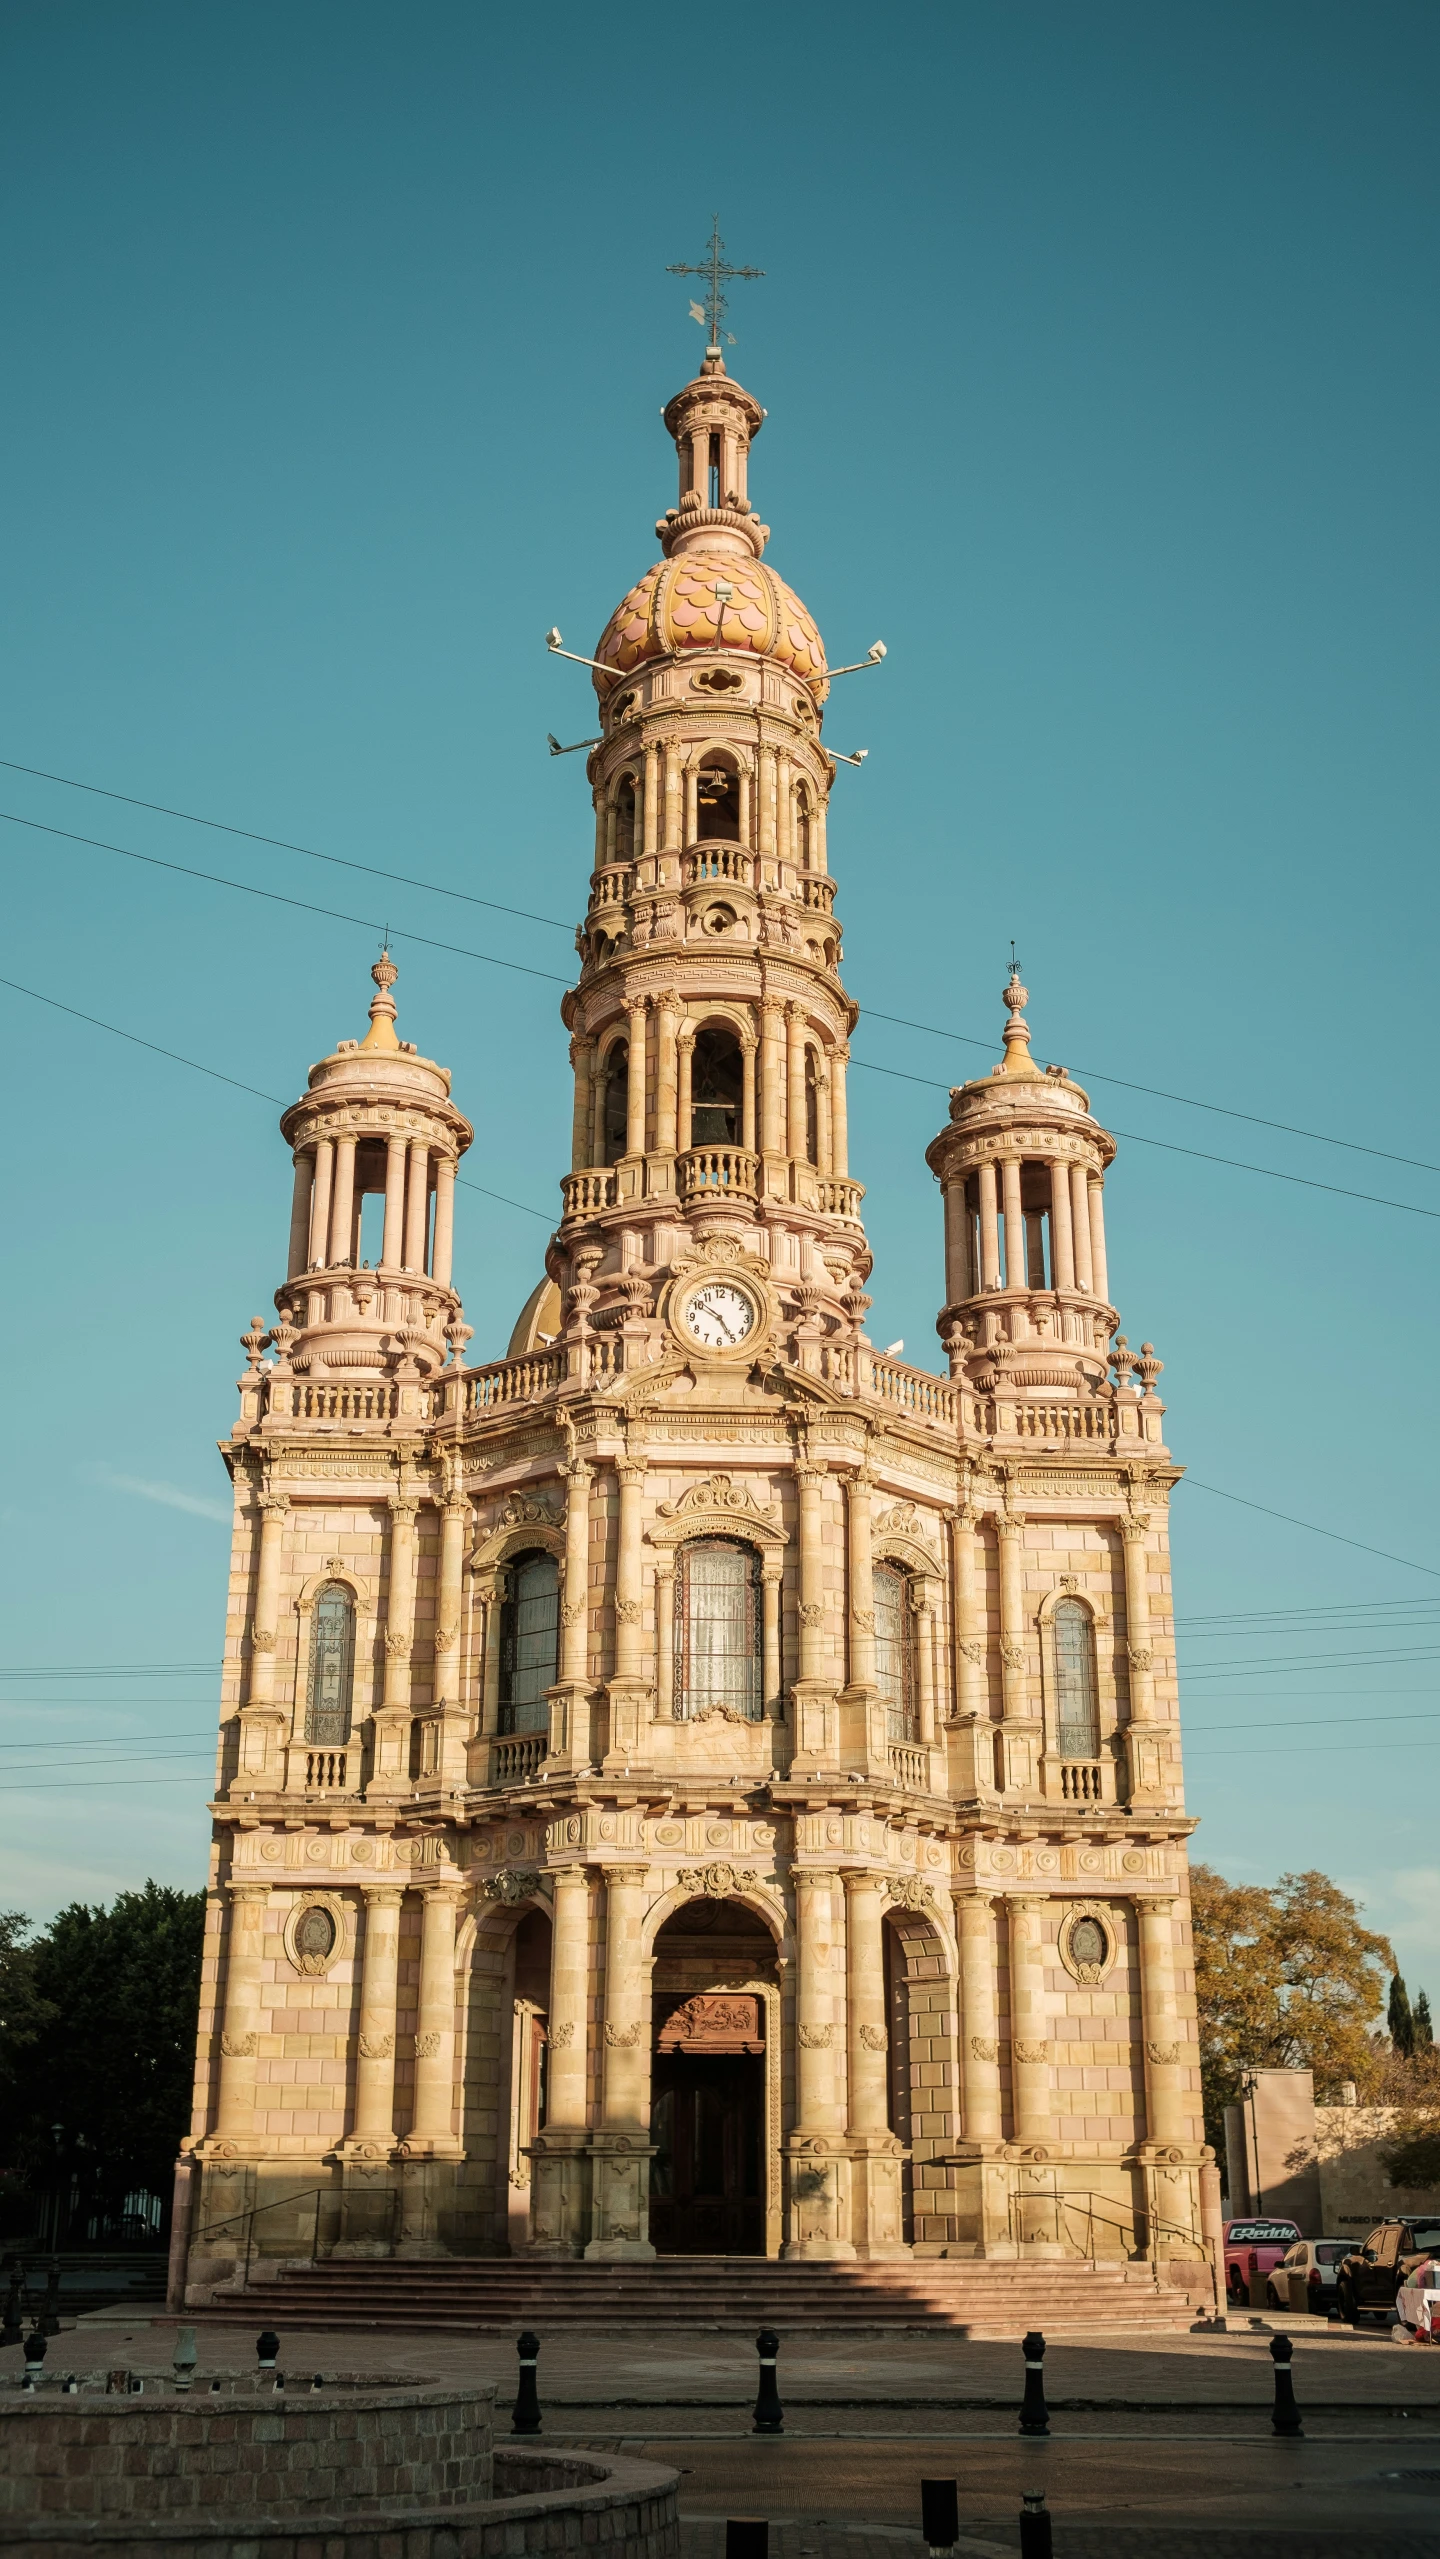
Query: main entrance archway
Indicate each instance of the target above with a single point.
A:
(708, 2087)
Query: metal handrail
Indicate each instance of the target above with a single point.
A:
(1085, 2197)
(319, 2194)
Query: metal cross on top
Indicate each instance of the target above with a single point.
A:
(718, 273)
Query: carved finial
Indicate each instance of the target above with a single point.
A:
(381, 1033)
(1017, 1036)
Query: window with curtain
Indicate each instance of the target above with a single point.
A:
(1077, 1712)
(529, 1642)
(332, 1667)
(718, 1628)
(895, 1650)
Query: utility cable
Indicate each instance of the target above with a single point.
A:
(932, 1030)
(1202, 1155)
(1291, 1522)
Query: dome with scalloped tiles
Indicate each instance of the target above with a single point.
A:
(675, 608)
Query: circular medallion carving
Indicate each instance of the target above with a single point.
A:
(270, 1850)
(607, 1828)
(1133, 1862)
(362, 1850)
(517, 1843)
(1091, 1861)
(1003, 1860)
(314, 1931)
(669, 1834)
(718, 1834)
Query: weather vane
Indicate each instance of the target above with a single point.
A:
(717, 272)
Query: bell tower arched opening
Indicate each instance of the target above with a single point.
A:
(716, 1084)
(717, 804)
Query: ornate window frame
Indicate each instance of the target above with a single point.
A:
(1070, 1587)
(364, 1593)
(340, 1910)
(1089, 1975)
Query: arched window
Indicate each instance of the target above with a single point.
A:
(332, 1667)
(895, 1650)
(715, 1082)
(529, 1642)
(802, 827)
(625, 819)
(718, 1628)
(1077, 1714)
(615, 1125)
(717, 811)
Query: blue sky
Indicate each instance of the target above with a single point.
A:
(1099, 349)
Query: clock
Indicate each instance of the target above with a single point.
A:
(719, 1315)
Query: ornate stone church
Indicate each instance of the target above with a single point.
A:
(698, 1785)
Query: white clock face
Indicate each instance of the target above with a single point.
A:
(719, 1315)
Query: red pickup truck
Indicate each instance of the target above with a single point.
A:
(1255, 2247)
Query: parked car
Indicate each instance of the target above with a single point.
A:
(1318, 2261)
(1369, 2276)
(1254, 2248)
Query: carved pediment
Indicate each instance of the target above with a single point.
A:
(715, 2022)
(716, 1503)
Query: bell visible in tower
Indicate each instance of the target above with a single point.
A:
(715, 1091)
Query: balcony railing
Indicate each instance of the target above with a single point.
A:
(1092, 1424)
(610, 887)
(325, 1771)
(720, 862)
(839, 1198)
(817, 890)
(930, 1399)
(303, 1399)
(1082, 1781)
(584, 1193)
(513, 1381)
(516, 1758)
(910, 1766)
(725, 1169)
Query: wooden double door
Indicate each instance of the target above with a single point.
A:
(707, 2178)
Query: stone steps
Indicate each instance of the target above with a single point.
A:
(976, 2297)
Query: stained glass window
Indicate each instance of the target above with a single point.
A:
(1076, 1712)
(332, 1667)
(717, 1628)
(529, 1643)
(894, 1651)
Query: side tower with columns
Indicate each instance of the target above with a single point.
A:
(696, 1784)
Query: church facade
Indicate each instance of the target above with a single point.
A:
(698, 1785)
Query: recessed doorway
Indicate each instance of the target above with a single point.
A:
(707, 2178)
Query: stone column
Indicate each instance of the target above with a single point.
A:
(1138, 1649)
(433, 2130)
(392, 1720)
(866, 2023)
(635, 1088)
(1080, 1225)
(692, 805)
(454, 1521)
(770, 1576)
(766, 838)
(979, 2021)
(300, 1215)
(819, 2007)
(747, 1095)
(392, 1244)
(621, 2151)
(379, 1980)
(1029, 2035)
(839, 1113)
(1099, 1274)
(240, 2028)
(417, 1204)
(1015, 1275)
(922, 1608)
(861, 1576)
(274, 1510)
(581, 1053)
(816, 2150)
(685, 1056)
(822, 1118)
(598, 1082)
(957, 1242)
(772, 1085)
(442, 1259)
(795, 1082)
(810, 1482)
(747, 810)
(672, 792)
(320, 1203)
(667, 1007)
(559, 2211)
(664, 1637)
(630, 1473)
(970, 1690)
(1062, 1234)
(1166, 2108)
(570, 1709)
(342, 1203)
(1020, 1735)
(989, 1229)
(652, 799)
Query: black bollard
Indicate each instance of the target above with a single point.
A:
(1286, 2417)
(940, 2513)
(526, 2420)
(12, 2331)
(1034, 2415)
(747, 2538)
(1035, 2542)
(267, 2347)
(50, 2316)
(769, 2415)
(35, 2349)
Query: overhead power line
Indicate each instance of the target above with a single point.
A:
(1202, 1155)
(1291, 1522)
(901, 1021)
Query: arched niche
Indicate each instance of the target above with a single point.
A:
(364, 1596)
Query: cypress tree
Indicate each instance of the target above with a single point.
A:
(1399, 2018)
(1424, 2031)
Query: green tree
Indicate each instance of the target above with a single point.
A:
(1424, 2031)
(1398, 2017)
(1286, 1977)
(111, 2061)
